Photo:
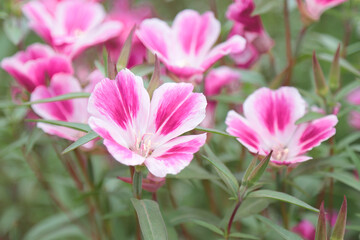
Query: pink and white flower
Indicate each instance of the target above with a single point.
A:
(215, 81)
(354, 117)
(313, 9)
(269, 124)
(251, 28)
(73, 110)
(193, 35)
(71, 26)
(129, 16)
(137, 131)
(35, 66)
(305, 229)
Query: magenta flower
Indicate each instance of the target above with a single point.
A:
(305, 229)
(215, 82)
(354, 117)
(314, 8)
(73, 110)
(193, 35)
(35, 66)
(137, 131)
(251, 28)
(269, 124)
(71, 26)
(129, 16)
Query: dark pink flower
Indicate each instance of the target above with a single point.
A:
(150, 183)
(35, 66)
(269, 124)
(354, 117)
(215, 81)
(251, 28)
(73, 110)
(129, 17)
(305, 229)
(137, 131)
(193, 35)
(71, 26)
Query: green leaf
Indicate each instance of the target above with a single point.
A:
(59, 98)
(258, 170)
(209, 130)
(310, 116)
(125, 51)
(151, 222)
(77, 126)
(348, 140)
(354, 158)
(209, 226)
(321, 225)
(265, 6)
(243, 236)
(143, 69)
(282, 197)
(343, 63)
(285, 234)
(346, 178)
(194, 171)
(186, 214)
(344, 91)
(15, 29)
(224, 173)
(252, 206)
(340, 225)
(81, 141)
(155, 78)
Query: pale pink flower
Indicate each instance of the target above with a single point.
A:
(137, 131)
(251, 28)
(269, 124)
(73, 110)
(129, 16)
(216, 80)
(354, 117)
(305, 229)
(186, 47)
(35, 66)
(151, 183)
(71, 26)
(314, 8)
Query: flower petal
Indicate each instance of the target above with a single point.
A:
(175, 109)
(123, 103)
(123, 154)
(175, 155)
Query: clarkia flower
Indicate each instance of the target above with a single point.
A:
(72, 110)
(137, 131)
(305, 229)
(193, 35)
(269, 124)
(71, 26)
(251, 28)
(354, 117)
(312, 9)
(216, 80)
(35, 66)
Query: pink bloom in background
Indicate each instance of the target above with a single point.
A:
(354, 117)
(137, 131)
(305, 229)
(215, 81)
(314, 8)
(251, 28)
(269, 124)
(150, 183)
(35, 66)
(129, 17)
(73, 110)
(71, 26)
(185, 48)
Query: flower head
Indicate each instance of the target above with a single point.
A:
(137, 131)
(354, 118)
(71, 26)
(305, 229)
(269, 124)
(193, 35)
(34, 66)
(312, 9)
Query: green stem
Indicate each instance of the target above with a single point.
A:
(137, 184)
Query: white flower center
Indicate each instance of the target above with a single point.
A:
(280, 152)
(143, 145)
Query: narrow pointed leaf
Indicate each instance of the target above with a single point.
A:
(77, 126)
(151, 221)
(354, 158)
(344, 91)
(310, 116)
(249, 170)
(340, 225)
(143, 69)
(345, 178)
(125, 51)
(243, 236)
(320, 83)
(209, 226)
(81, 141)
(155, 78)
(334, 77)
(282, 197)
(321, 225)
(59, 98)
(259, 170)
(209, 130)
(285, 234)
